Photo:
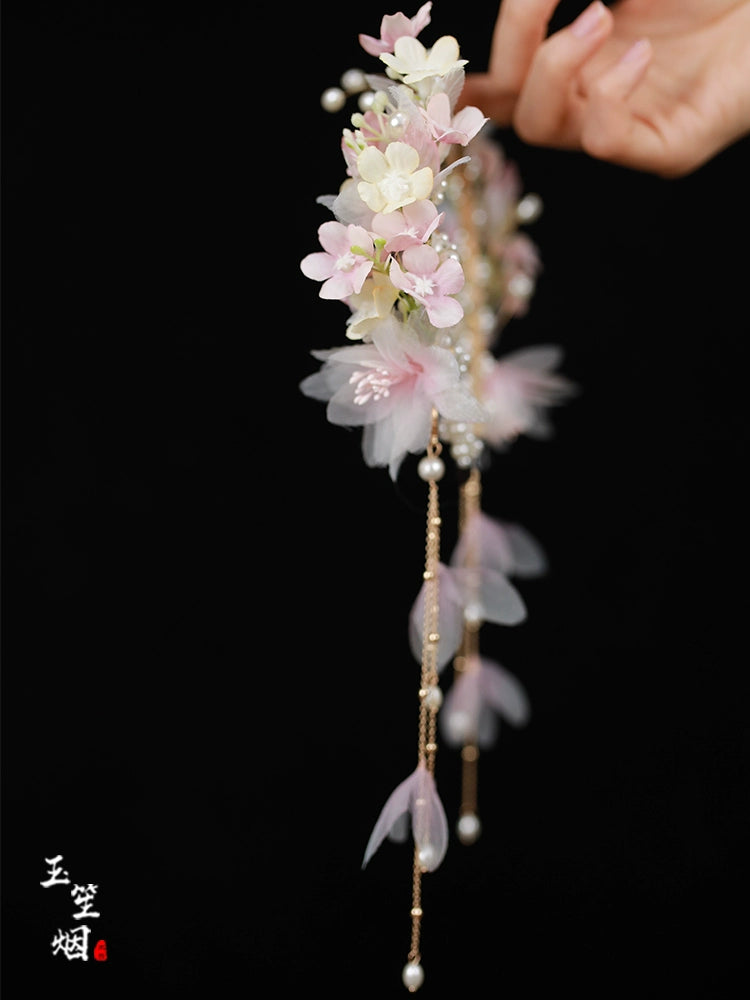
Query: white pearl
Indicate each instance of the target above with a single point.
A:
(412, 976)
(426, 856)
(521, 286)
(433, 697)
(431, 467)
(366, 100)
(529, 208)
(353, 81)
(473, 614)
(333, 99)
(468, 828)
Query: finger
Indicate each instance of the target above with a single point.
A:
(520, 28)
(550, 107)
(611, 131)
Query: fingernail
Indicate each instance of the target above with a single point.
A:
(587, 22)
(638, 52)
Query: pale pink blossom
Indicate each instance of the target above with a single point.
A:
(500, 545)
(416, 803)
(341, 267)
(390, 388)
(517, 391)
(481, 694)
(460, 128)
(410, 226)
(392, 27)
(431, 283)
(465, 596)
(392, 179)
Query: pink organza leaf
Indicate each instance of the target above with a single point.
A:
(503, 692)
(415, 798)
(450, 619)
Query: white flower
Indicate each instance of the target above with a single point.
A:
(392, 179)
(413, 62)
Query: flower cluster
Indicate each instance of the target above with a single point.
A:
(396, 253)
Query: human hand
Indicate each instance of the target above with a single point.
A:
(655, 85)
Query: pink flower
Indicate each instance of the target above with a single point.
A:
(460, 128)
(431, 283)
(480, 693)
(411, 226)
(390, 387)
(415, 799)
(344, 269)
(518, 389)
(392, 27)
(465, 595)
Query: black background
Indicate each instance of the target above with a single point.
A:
(208, 694)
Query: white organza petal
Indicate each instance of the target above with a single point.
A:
(450, 619)
(397, 804)
(504, 693)
(429, 824)
(494, 600)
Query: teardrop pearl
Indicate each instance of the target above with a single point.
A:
(412, 976)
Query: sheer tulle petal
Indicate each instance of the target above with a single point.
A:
(504, 692)
(507, 548)
(429, 823)
(396, 806)
(529, 558)
(450, 619)
(484, 542)
(417, 797)
(489, 596)
(459, 717)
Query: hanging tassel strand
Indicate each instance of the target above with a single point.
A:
(431, 469)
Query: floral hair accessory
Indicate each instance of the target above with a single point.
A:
(424, 246)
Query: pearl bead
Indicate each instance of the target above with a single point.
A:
(366, 100)
(426, 856)
(468, 828)
(431, 467)
(353, 81)
(521, 286)
(433, 698)
(529, 208)
(333, 99)
(412, 976)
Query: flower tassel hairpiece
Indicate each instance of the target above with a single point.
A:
(424, 248)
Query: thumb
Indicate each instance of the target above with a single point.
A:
(481, 91)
